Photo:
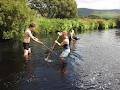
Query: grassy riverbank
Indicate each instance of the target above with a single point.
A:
(52, 25)
(15, 18)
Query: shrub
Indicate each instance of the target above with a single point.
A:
(15, 15)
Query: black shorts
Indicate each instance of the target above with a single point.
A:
(26, 46)
(70, 38)
(75, 38)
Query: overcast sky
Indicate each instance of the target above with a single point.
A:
(98, 4)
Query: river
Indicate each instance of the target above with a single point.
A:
(93, 64)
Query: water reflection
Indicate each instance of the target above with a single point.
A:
(29, 71)
(11, 64)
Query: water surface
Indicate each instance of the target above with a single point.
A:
(93, 64)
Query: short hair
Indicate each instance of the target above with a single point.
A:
(64, 33)
(57, 31)
(32, 25)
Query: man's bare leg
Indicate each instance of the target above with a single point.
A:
(29, 51)
(26, 54)
(62, 65)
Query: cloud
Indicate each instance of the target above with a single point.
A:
(98, 4)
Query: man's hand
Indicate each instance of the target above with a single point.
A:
(59, 33)
(40, 42)
(36, 39)
(56, 41)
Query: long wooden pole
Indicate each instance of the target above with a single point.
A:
(46, 59)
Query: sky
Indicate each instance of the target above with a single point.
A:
(98, 4)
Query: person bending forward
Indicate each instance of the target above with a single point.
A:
(65, 45)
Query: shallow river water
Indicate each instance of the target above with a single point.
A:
(93, 64)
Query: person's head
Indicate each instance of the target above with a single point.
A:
(32, 26)
(64, 34)
(72, 31)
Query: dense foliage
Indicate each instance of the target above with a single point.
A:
(55, 8)
(15, 15)
(52, 25)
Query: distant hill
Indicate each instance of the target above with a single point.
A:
(102, 13)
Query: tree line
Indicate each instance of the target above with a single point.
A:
(55, 8)
(49, 15)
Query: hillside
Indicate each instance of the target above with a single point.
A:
(102, 13)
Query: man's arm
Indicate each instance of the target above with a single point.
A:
(58, 43)
(34, 38)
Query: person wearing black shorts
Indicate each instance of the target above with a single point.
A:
(26, 46)
(72, 38)
(26, 39)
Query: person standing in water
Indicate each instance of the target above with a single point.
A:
(72, 38)
(26, 40)
(65, 45)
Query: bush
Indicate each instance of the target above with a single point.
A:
(52, 25)
(15, 15)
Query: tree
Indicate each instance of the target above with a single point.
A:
(55, 8)
(15, 15)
